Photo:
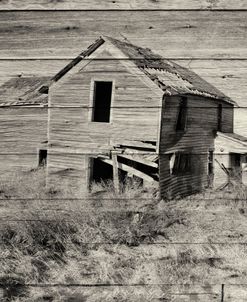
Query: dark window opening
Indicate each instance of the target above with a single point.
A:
(182, 115)
(42, 157)
(102, 102)
(182, 163)
(219, 118)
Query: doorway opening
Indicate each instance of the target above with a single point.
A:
(99, 171)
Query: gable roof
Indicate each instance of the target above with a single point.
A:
(172, 78)
(22, 91)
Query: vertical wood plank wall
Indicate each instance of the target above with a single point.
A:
(198, 138)
(38, 38)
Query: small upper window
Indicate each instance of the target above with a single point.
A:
(42, 157)
(182, 115)
(219, 118)
(102, 102)
(182, 163)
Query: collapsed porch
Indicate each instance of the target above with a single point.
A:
(127, 160)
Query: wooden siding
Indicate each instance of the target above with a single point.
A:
(197, 139)
(124, 5)
(22, 132)
(134, 113)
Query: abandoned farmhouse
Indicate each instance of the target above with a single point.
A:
(120, 111)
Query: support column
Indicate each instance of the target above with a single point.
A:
(115, 172)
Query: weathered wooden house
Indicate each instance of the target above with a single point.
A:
(119, 110)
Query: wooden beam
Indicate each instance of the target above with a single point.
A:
(115, 172)
(136, 144)
(130, 170)
(140, 160)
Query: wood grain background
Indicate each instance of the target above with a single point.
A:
(37, 38)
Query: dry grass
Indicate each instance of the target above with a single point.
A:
(110, 238)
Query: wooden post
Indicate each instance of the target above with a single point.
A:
(222, 292)
(115, 172)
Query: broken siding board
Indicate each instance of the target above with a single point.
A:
(58, 34)
(137, 144)
(123, 5)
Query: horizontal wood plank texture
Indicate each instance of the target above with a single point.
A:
(123, 4)
(186, 34)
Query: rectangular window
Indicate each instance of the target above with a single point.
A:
(182, 163)
(219, 117)
(182, 115)
(42, 158)
(102, 102)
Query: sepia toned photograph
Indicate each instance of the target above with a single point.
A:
(123, 151)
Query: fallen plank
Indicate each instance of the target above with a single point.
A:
(130, 170)
(135, 144)
(139, 159)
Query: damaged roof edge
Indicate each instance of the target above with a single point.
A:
(144, 58)
(45, 88)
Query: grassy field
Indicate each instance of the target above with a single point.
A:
(119, 247)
